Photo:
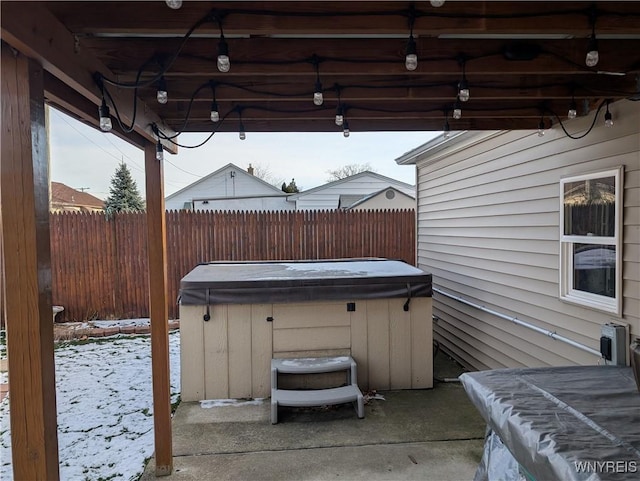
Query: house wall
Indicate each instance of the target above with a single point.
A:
(488, 231)
(328, 198)
(245, 204)
(380, 201)
(219, 185)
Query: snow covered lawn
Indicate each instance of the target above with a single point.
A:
(105, 407)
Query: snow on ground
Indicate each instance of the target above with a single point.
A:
(105, 407)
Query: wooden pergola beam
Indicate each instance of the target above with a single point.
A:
(159, 310)
(24, 202)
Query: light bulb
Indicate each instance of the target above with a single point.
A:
(411, 59)
(215, 115)
(573, 110)
(175, 4)
(224, 64)
(463, 90)
(339, 119)
(437, 3)
(608, 118)
(105, 118)
(162, 94)
(159, 151)
(457, 111)
(345, 129)
(241, 132)
(541, 130)
(593, 56)
(447, 129)
(318, 99)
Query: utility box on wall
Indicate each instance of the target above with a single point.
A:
(613, 344)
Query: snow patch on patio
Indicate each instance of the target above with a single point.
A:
(217, 403)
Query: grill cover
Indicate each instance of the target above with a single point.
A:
(299, 281)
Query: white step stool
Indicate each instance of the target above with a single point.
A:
(315, 397)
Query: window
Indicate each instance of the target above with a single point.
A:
(590, 240)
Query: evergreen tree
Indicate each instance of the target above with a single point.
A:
(123, 193)
(292, 188)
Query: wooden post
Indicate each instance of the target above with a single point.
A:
(24, 204)
(157, 252)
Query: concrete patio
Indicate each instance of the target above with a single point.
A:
(433, 434)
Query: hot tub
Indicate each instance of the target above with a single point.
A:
(236, 316)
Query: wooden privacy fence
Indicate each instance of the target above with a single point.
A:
(99, 265)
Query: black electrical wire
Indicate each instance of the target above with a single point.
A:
(578, 137)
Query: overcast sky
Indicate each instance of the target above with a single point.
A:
(84, 158)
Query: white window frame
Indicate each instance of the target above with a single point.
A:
(567, 292)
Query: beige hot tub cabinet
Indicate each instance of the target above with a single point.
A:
(236, 316)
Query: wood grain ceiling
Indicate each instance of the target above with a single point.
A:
(359, 48)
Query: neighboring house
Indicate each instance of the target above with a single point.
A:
(343, 193)
(229, 188)
(387, 198)
(64, 198)
(542, 229)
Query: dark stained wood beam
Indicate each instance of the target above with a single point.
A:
(390, 17)
(24, 202)
(159, 310)
(35, 32)
(354, 57)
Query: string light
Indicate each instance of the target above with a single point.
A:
(437, 3)
(608, 118)
(223, 62)
(105, 117)
(463, 85)
(446, 130)
(162, 94)
(592, 57)
(318, 98)
(411, 56)
(175, 4)
(457, 110)
(159, 151)
(541, 127)
(573, 109)
(339, 115)
(214, 115)
(345, 129)
(242, 134)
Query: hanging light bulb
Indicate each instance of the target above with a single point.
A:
(105, 117)
(241, 132)
(175, 4)
(215, 115)
(411, 58)
(463, 85)
(224, 64)
(339, 116)
(541, 128)
(608, 118)
(437, 3)
(159, 151)
(162, 94)
(345, 129)
(318, 99)
(457, 110)
(573, 110)
(446, 129)
(593, 56)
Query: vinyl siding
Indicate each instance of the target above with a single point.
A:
(488, 231)
(328, 198)
(221, 184)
